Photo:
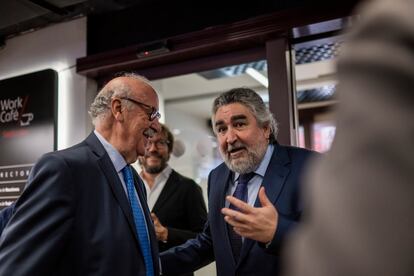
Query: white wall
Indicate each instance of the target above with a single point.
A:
(197, 160)
(55, 47)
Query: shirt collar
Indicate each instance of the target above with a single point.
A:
(116, 158)
(161, 178)
(261, 169)
(164, 174)
(166, 171)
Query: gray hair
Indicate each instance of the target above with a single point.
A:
(100, 107)
(253, 102)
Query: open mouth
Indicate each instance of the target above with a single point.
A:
(236, 152)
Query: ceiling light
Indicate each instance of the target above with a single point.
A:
(259, 77)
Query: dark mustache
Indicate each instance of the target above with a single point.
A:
(235, 146)
(153, 154)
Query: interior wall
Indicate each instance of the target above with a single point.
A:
(56, 47)
(197, 157)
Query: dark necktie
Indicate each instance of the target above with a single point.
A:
(139, 219)
(240, 193)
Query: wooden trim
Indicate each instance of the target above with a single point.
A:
(203, 63)
(282, 99)
(251, 33)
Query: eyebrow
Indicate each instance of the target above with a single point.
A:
(221, 122)
(238, 117)
(233, 118)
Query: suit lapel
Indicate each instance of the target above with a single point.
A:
(167, 191)
(275, 175)
(273, 181)
(116, 187)
(112, 178)
(115, 184)
(222, 183)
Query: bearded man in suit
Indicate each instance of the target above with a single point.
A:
(244, 235)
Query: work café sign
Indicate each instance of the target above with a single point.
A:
(27, 128)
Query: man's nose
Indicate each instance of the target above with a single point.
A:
(155, 125)
(231, 136)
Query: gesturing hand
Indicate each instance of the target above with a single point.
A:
(256, 223)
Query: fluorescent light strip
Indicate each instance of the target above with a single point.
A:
(259, 77)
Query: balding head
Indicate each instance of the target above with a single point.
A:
(120, 87)
(125, 113)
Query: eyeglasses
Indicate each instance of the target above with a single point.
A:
(152, 115)
(158, 144)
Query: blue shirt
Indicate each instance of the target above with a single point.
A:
(119, 163)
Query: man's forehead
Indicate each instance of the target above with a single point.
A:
(158, 136)
(146, 95)
(232, 112)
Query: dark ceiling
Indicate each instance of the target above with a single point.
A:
(21, 16)
(114, 24)
(154, 18)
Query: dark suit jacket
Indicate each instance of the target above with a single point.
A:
(282, 187)
(74, 218)
(5, 215)
(181, 208)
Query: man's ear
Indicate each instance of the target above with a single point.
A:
(117, 109)
(266, 130)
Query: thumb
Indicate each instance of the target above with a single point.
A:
(264, 200)
(154, 217)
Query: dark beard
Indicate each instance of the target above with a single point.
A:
(250, 163)
(155, 169)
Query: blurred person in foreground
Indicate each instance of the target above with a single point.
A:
(176, 202)
(360, 221)
(83, 212)
(244, 232)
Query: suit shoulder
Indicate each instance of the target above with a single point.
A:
(220, 168)
(68, 156)
(184, 180)
(299, 151)
(297, 154)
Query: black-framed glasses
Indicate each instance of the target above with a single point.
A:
(158, 144)
(152, 115)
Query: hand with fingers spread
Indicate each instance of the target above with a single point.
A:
(160, 231)
(256, 223)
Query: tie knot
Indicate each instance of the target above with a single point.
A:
(126, 169)
(127, 173)
(245, 178)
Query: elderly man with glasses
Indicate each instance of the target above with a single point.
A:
(83, 211)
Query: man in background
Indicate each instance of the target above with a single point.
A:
(244, 235)
(82, 211)
(176, 202)
(360, 219)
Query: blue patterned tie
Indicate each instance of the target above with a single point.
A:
(139, 219)
(240, 193)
